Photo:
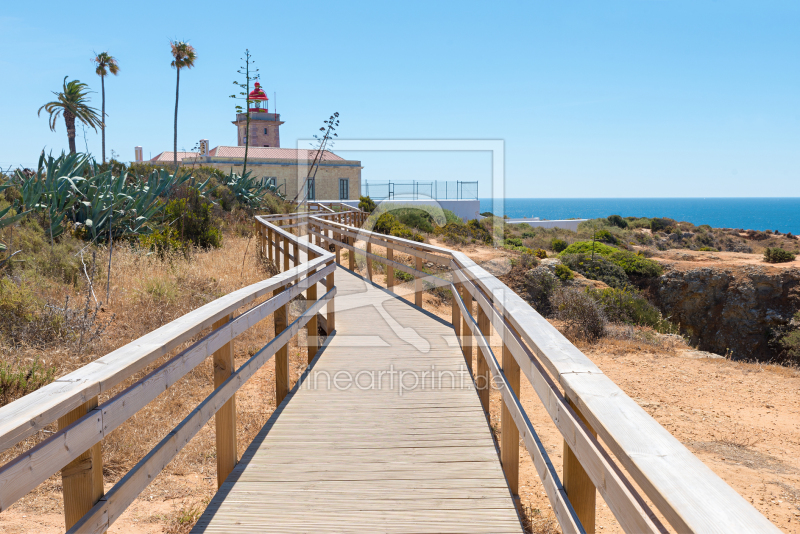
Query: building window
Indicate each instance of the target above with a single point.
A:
(312, 189)
(265, 131)
(271, 180)
(344, 188)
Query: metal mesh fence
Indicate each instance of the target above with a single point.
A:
(413, 190)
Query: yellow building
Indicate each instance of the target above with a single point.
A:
(287, 168)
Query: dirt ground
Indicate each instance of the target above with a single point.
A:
(740, 419)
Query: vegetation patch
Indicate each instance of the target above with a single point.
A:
(778, 255)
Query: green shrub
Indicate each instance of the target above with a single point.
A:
(487, 214)
(586, 247)
(384, 223)
(540, 253)
(582, 315)
(636, 265)
(564, 273)
(790, 343)
(616, 220)
(626, 305)
(644, 222)
(606, 237)
(192, 221)
(707, 249)
(403, 276)
(556, 244)
(460, 233)
(778, 255)
(366, 204)
(661, 224)
(513, 241)
(387, 224)
(540, 283)
(19, 379)
(601, 268)
(163, 241)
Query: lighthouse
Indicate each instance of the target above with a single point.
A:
(264, 126)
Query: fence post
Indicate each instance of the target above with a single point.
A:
(225, 418)
(466, 333)
(456, 312)
(277, 240)
(390, 269)
(369, 261)
(285, 254)
(338, 237)
(509, 434)
(311, 332)
(331, 319)
(482, 373)
(82, 478)
(351, 255)
(296, 253)
(418, 283)
(580, 490)
(282, 355)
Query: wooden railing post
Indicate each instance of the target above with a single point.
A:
(225, 418)
(269, 244)
(285, 254)
(456, 312)
(390, 269)
(311, 327)
(338, 237)
(351, 255)
(277, 241)
(509, 434)
(295, 253)
(580, 490)
(466, 333)
(282, 355)
(369, 261)
(418, 283)
(82, 478)
(482, 376)
(331, 319)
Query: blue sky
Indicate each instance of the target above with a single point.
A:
(592, 99)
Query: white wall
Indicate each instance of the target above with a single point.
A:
(570, 224)
(466, 209)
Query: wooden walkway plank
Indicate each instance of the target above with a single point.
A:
(406, 451)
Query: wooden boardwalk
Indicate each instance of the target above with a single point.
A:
(401, 445)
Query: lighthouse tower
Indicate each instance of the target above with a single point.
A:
(264, 126)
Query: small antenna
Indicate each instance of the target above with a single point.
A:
(275, 101)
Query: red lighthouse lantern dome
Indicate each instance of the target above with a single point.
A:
(258, 97)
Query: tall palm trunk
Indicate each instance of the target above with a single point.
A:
(103, 128)
(69, 119)
(177, 89)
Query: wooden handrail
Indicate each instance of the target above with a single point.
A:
(690, 496)
(83, 424)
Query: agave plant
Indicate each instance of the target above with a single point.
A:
(248, 190)
(69, 189)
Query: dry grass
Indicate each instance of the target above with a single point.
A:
(146, 293)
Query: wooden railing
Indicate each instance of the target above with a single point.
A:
(83, 421)
(585, 405)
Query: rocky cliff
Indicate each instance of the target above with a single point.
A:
(728, 306)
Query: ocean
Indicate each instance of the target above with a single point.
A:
(782, 214)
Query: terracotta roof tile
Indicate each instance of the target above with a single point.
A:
(260, 152)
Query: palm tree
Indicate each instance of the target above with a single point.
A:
(105, 63)
(183, 56)
(73, 103)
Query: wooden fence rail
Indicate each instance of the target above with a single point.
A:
(607, 436)
(72, 399)
(582, 402)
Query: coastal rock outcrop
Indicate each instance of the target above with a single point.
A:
(728, 309)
